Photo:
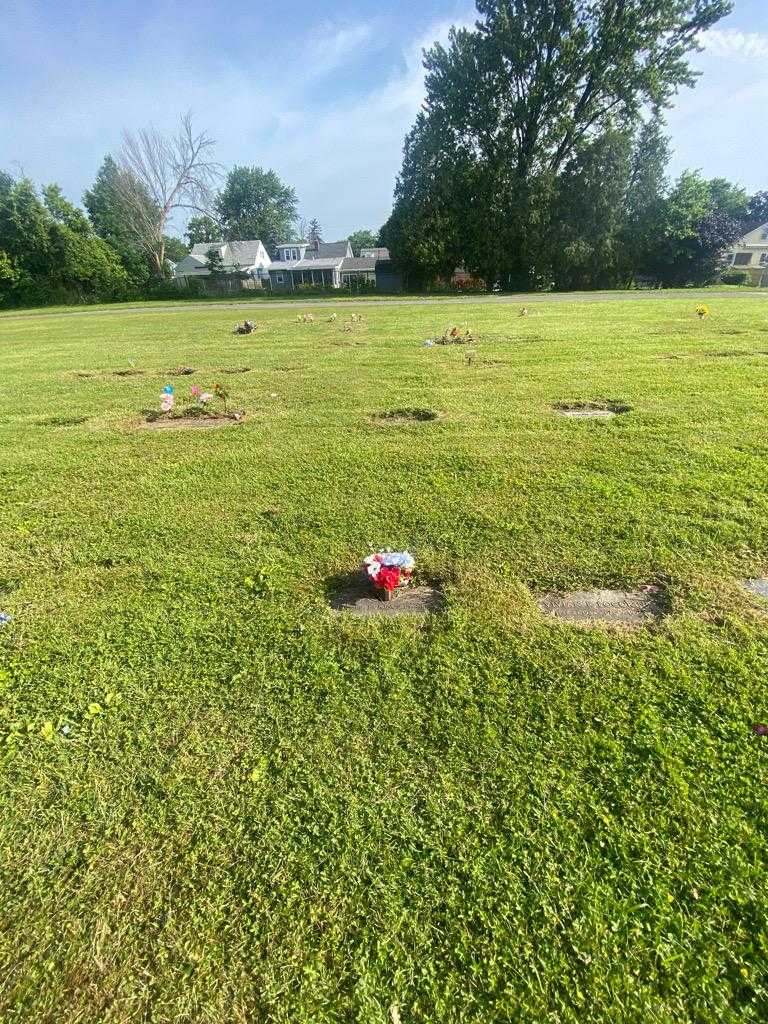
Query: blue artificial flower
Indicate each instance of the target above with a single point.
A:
(5, 618)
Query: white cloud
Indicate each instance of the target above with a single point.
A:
(730, 43)
(337, 46)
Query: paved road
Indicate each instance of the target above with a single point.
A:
(692, 295)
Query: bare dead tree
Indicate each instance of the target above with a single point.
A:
(160, 174)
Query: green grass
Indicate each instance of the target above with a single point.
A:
(260, 812)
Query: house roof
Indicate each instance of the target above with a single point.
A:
(379, 252)
(330, 250)
(282, 265)
(202, 248)
(245, 252)
(316, 263)
(358, 263)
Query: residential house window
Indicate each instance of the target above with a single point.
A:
(765, 233)
(279, 278)
(742, 259)
(764, 259)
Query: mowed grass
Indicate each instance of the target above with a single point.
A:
(222, 804)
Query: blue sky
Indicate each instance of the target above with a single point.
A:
(322, 93)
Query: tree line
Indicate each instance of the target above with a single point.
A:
(539, 157)
(119, 245)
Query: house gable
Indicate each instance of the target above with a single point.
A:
(758, 237)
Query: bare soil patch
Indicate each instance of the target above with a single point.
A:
(394, 416)
(598, 410)
(358, 598)
(234, 369)
(129, 372)
(623, 608)
(160, 421)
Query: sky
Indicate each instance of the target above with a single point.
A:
(321, 93)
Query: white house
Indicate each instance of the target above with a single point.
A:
(248, 258)
(750, 254)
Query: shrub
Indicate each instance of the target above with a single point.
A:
(735, 277)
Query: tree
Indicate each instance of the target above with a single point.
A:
(513, 103)
(6, 183)
(214, 261)
(757, 211)
(111, 220)
(176, 173)
(51, 252)
(175, 249)
(646, 190)
(203, 229)
(588, 209)
(63, 212)
(315, 236)
(700, 221)
(255, 203)
(363, 239)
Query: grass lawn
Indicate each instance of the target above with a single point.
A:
(222, 804)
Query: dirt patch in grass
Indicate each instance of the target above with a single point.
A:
(84, 374)
(598, 410)
(160, 421)
(356, 597)
(395, 416)
(234, 369)
(62, 421)
(734, 353)
(757, 587)
(620, 608)
(181, 371)
(129, 372)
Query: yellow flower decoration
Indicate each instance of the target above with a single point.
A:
(702, 311)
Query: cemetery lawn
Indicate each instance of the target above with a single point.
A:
(220, 803)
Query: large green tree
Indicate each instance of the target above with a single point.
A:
(700, 220)
(255, 203)
(363, 239)
(644, 204)
(203, 229)
(111, 220)
(50, 251)
(512, 104)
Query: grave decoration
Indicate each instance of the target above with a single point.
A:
(5, 619)
(199, 405)
(452, 336)
(166, 398)
(246, 327)
(389, 571)
(306, 318)
(702, 311)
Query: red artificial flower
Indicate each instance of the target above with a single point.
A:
(388, 577)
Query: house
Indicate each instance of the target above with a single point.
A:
(243, 265)
(319, 265)
(750, 254)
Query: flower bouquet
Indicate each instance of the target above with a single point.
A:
(388, 571)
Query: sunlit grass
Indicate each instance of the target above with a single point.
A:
(220, 803)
